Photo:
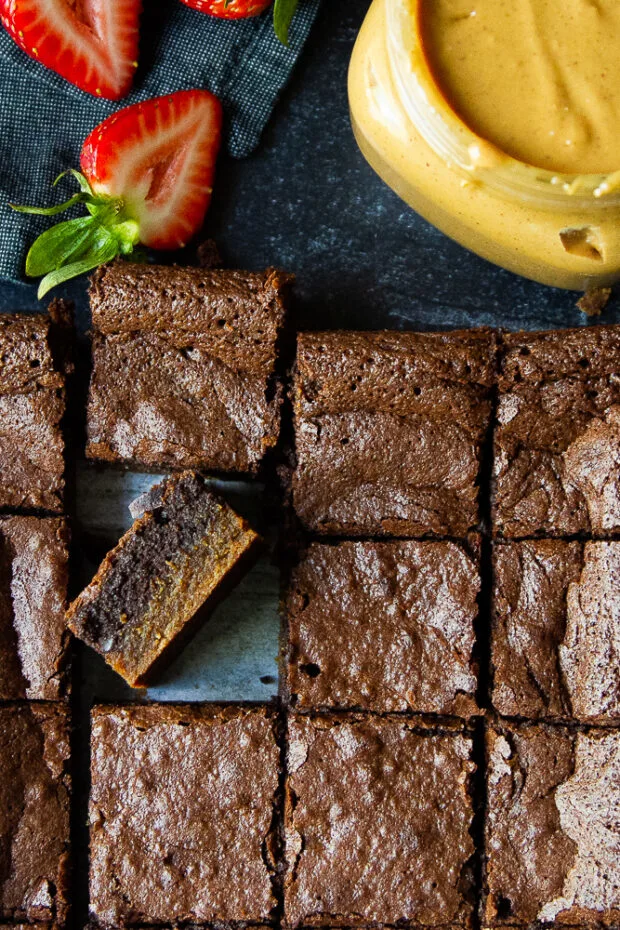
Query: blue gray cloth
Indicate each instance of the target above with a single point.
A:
(44, 119)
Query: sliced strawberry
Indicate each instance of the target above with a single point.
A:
(91, 43)
(229, 9)
(159, 157)
(148, 175)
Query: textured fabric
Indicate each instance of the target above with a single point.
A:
(44, 119)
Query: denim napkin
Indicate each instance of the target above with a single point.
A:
(43, 119)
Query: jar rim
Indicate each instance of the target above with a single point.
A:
(453, 140)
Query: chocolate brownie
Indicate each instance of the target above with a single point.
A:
(33, 364)
(556, 630)
(34, 812)
(552, 826)
(184, 366)
(166, 574)
(377, 823)
(181, 811)
(34, 640)
(557, 441)
(388, 431)
(383, 626)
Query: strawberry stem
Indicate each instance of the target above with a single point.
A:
(75, 246)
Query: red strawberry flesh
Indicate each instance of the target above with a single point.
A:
(91, 43)
(159, 157)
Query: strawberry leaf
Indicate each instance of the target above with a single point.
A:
(74, 246)
(283, 12)
(59, 245)
(103, 248)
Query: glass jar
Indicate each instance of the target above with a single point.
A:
(562, 230)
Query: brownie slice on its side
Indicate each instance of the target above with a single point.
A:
(33, 365)
(383, 626)
(552, 831)
(166, 574)
(377, 824)
(388, 431)
(181, 815)
(34, 640)
(184, 367)
(34, 813)
(557, 441)
(556, 630)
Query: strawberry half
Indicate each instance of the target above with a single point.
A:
(229, 9)
(91, 43)
(147, 178)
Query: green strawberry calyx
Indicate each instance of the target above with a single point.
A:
(283, 12)
(76, 246)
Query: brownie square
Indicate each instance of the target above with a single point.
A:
(165, 576)
(552, 826)
(184, 366)
(377, 824)
(181, 810)
(34, 640)
(556, 630)
(557, 440)
(34, 812)
(388, 431)
(383, 626)
(32, 404)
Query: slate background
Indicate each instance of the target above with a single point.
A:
(308, 202)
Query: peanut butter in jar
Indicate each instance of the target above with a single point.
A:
(499, 121)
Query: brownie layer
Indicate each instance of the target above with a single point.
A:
(377, 824)
(32, 404)
(34, 640)
(34, 812)
(166, 573)
(201, 347)
(383, 627)
(388, 431)
(557, 441)
(556, 630)
(181, 813)
(552, 826)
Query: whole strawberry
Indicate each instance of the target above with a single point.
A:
(283, 11)
(92, 45)
(147, 179)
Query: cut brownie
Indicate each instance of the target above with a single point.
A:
(388, 431)
(34, 640)
(552, 826)
(167, 572)
(557, 441)
(34, 812)
(33, 364)
(181, 811)
(184, 366)
(377, 824)
(383, 627)
(556, 630)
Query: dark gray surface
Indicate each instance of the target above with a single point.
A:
(308, 202)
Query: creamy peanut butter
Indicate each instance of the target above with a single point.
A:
(502, 128)
(538, 78)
